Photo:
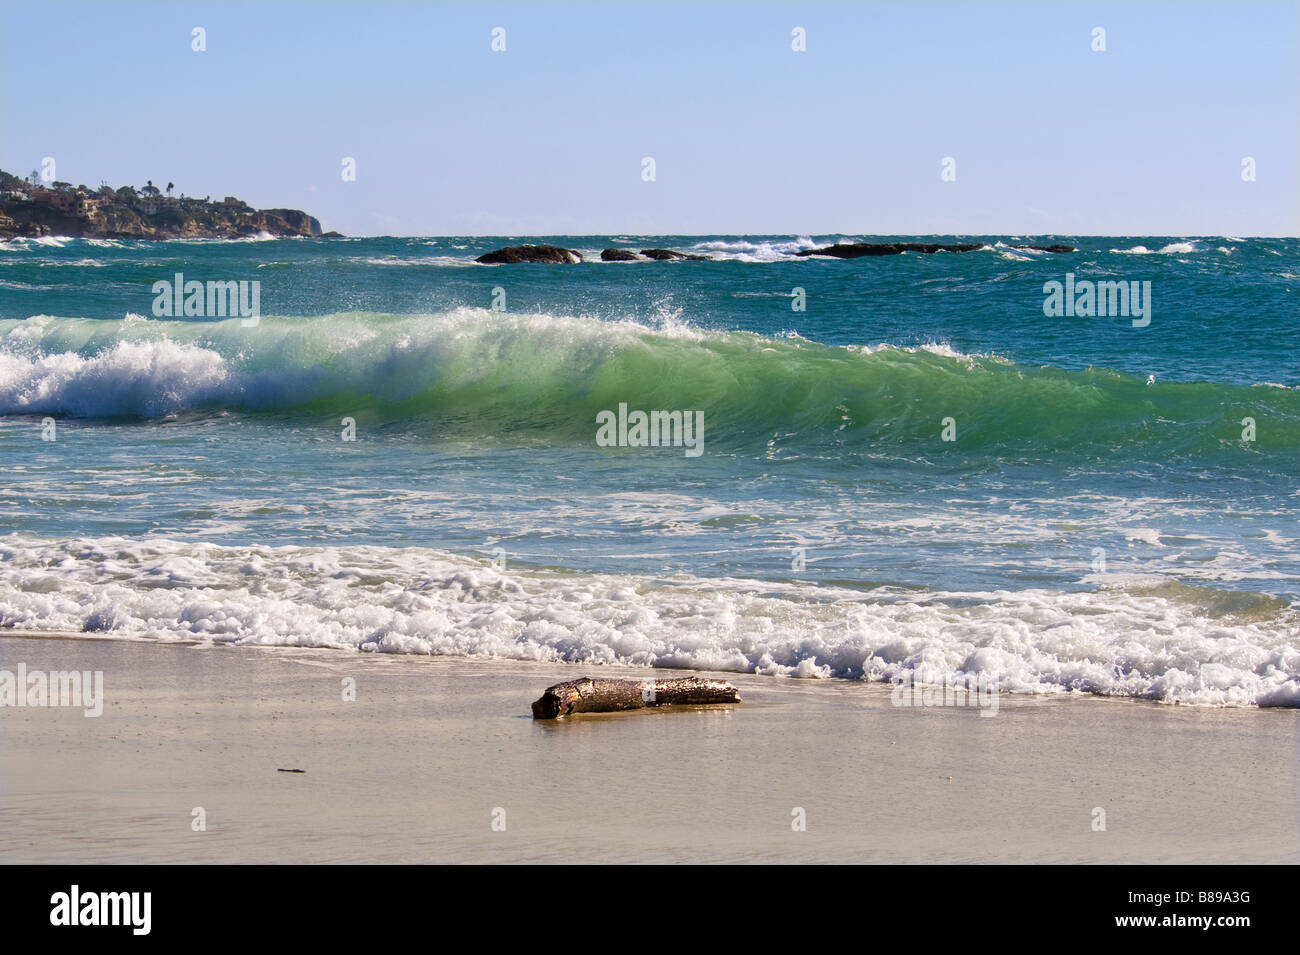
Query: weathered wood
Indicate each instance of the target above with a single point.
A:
(604, 696)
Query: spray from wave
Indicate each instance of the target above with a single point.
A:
(1173, 248)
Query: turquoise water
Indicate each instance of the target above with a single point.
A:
(1102, 520)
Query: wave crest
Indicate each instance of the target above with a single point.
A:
(482, 372)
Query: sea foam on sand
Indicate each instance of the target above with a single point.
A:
(1143, 642)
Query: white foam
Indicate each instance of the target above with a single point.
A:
(942, 349)
(1109, 642)
(426, 260)
(743, 250)
(1147, 535)
(130, 378)
(25, 286)
(1173, 248)
(1013, 253)
(141, 367)
(50, 241)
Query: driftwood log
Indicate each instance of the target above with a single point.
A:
(603, 696)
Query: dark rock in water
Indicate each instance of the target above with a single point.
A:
(663, 255)
(1047, 248)
(619, 255)
(331, 235)
(856, 250)
(513, 254)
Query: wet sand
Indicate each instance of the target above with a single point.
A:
(434, 749)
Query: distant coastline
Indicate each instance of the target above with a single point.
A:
(32, 209)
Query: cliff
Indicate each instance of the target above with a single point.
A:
(31, 209)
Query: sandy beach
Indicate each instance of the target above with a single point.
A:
(434, 749)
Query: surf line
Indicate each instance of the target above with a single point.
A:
(654, 429)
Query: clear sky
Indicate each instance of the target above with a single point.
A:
(748, 136)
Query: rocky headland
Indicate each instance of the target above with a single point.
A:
(30, 208)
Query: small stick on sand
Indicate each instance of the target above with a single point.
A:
(603, 696)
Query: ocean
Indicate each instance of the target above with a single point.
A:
(897, 467)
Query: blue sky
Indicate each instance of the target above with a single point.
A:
(748, 136)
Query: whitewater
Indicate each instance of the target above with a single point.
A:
(918, 475)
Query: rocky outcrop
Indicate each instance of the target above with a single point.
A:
(619, 255)
(31, 211)
(856, 250)
(663, 255)
(289, 222)
(515, 254)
